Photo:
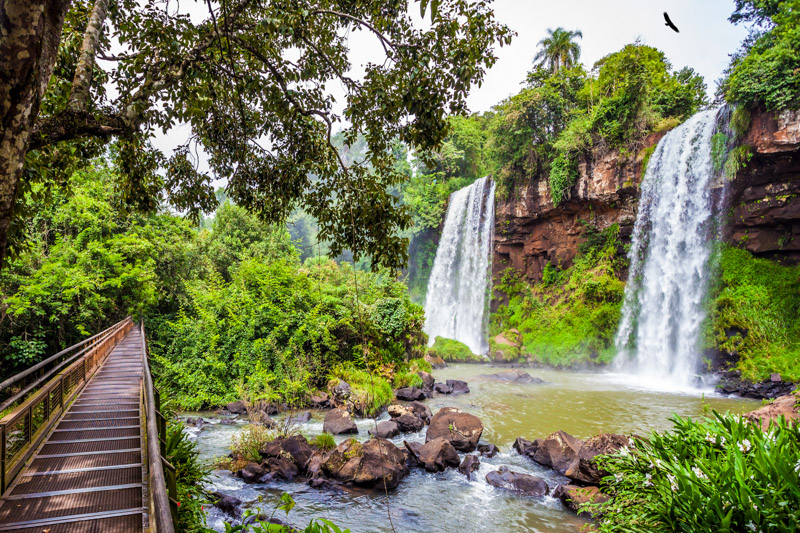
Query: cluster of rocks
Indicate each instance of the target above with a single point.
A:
(731, 383)
(575, 459)
(429, 387)
(512, 376)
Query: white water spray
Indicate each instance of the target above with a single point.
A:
(658, 336)
(456, 301)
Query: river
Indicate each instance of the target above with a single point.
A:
(580, 403)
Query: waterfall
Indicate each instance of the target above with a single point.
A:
(456, 301)
(663, 310)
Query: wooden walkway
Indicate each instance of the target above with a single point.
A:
(89, 475)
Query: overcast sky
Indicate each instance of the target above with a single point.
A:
(705, 41)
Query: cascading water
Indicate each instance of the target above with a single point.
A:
(455, 305)
(658, 336)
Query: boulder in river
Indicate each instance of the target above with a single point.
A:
(295, 447)
(409, 394)
(469, 465)
(227, 504)
(434, 360)
(524, 483)
(558, 451)
(385, 429)
(338, 422)
(195, 422)
(785, 406)
(321, 400)
(409, 423)
(281, 468)
(441, 388)
(585, 470)
(462, 430)
(512, 376)
(251, 473)
(427, 380)
(236, 408)
(524, 446)
(421, 410)
(573, 496)
(435, 455)
(375, 463)
(458, 386)
(264, 419)
(488, 450)
(300, 418)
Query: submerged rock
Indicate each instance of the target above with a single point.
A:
(458, 386)
(339, 422)
(573, 496)
(462, 430)
(585, 470)
(236, 408)
(512, 376)
(227, 504)
(376, 463)
(470, 464)
(300, 418)
(251, 473)
(441, 388)
(524, 483)
(434, 456)
(409, 394)
(488, 450)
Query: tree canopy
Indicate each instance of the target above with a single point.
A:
(559, 50)
(252, 82)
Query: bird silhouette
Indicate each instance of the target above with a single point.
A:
(669, 23)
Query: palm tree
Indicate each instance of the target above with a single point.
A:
(559, 49)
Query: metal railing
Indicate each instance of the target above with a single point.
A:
(162, 486)
(39, 396)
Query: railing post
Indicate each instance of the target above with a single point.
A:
(3, 459)
(172, 490)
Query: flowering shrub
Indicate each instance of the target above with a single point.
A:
(720, 474)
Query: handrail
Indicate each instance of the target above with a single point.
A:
(24, 428)
(25, 373)
(162, 515)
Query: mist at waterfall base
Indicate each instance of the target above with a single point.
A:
(658, 338)
(459, 284)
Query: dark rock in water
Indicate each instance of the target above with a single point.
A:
(373, 464)
(260, 517)
(427, 380)
(412, 450)
(573, 496)
(470, 464)
(512, 376)
(524, 446)
(441, 388)
(409, 394)
(421, 410)
(462, 430)
(281, 467)
(435, 361)
(434, 456)
(251, 473)
(558, 451)
(458, 386)
(525, 483)
(321, 400)
(227, 504)
(585, 470)
(236, 408)
(409, 423)
(228, 422)
(385, 429)
(731, 382)
(295, 447)
(300, 418)
(323, 483)
(195, 422)
(338, 422)
(488, 450)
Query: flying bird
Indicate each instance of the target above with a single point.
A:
(669, 23)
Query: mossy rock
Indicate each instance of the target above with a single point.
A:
(452, 351)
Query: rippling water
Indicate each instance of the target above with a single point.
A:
(582, 404)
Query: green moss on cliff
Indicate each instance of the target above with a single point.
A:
(571, 316)
(755, 313)
(452, 351)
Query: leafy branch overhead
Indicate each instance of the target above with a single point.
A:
(252, 82)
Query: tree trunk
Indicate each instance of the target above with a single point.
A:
(83, 73)
(29, 35)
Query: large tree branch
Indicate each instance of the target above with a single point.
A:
(82, 81)
(71, 124)
(385, 42)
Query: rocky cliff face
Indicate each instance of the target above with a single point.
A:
(765, 200)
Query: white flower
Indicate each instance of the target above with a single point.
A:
(745, 446)
(698, 472)
(797, 467)
(751, 526)
(648, 480)
(672, 482)
(624, 451)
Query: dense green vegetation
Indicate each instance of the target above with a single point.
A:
(571, 316)
(720, 474)
(452, 351)
(755, 305)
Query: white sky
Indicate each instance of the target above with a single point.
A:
(704, 43)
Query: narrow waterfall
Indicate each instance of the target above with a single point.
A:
(456, 301)
(658, 336)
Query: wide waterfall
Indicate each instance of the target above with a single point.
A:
(658, 336)
(456, 301)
